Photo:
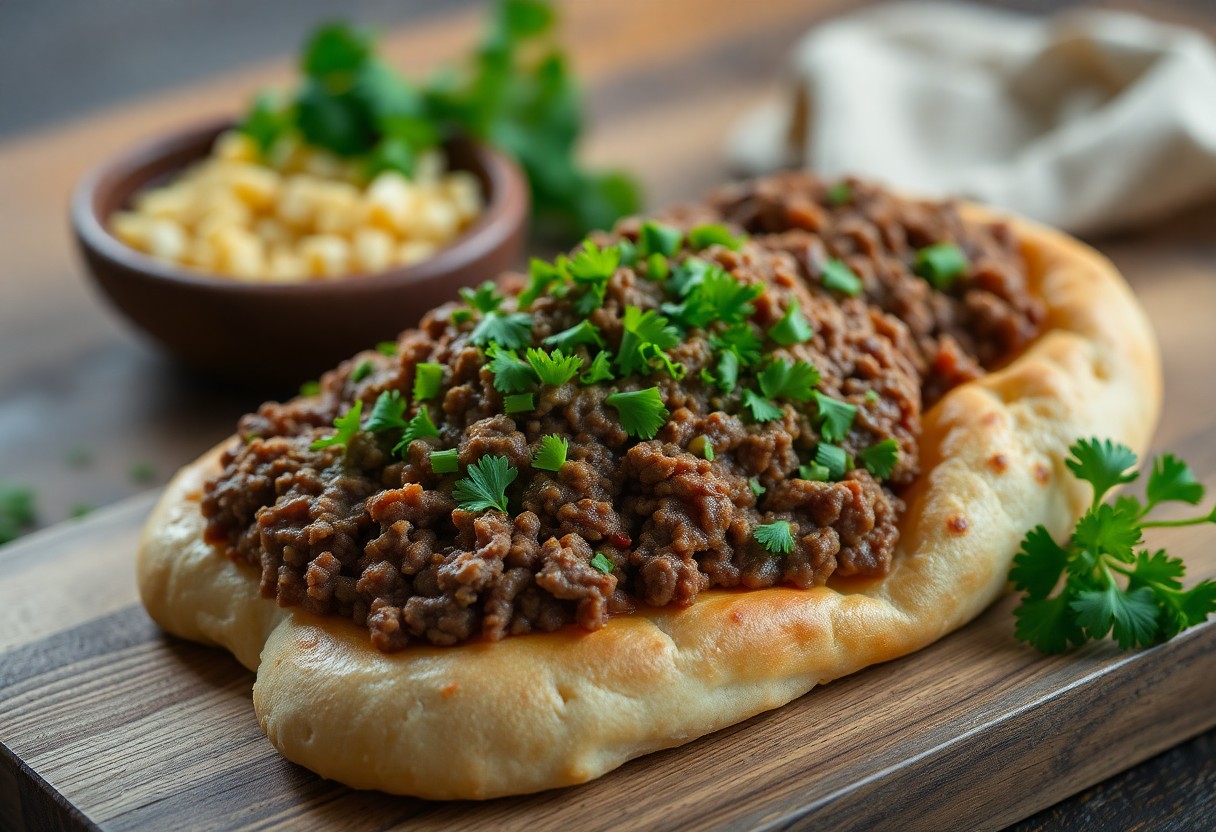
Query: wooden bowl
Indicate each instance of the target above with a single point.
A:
(286, 331)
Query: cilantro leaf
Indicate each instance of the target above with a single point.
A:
(641, 412)
(387, 413)
(718, 296)
(602, 563)
(600, 369)
(484, 486)
(541, 276)
(838, 277)
(420, 426)
(1198, 603)
(1048, 624)
(592, 264)
(793, 327)
(512, 374)
(347, 426)
(1037, 567)
(840, 193)
(582, 333)
(880, 458)
(762, 410)
(512, 330)
(941, 264)
(834, 458)
(727, 377)
(639, 330)
(428, 378)
(554, 369)
(814, 472)
(1132, 614)
(362, 370)
(551, 454)
(795, 381)
(1101, 463)
(742, 340)
(519, 403)
(1106, 530)
(1156, 568)
(1171, 480)
(388, 348)
(657, 238)
(483, 299)
(704, 236)
(777, 537)
(836, 417)
(756, 487)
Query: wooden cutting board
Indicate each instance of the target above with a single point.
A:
(106, 722)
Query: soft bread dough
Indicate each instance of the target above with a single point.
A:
(540, 711)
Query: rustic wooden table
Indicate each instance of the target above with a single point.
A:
(89, 414)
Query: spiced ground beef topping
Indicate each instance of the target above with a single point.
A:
(368, 530)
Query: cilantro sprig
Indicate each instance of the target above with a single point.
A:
(346, 426)
(641, 412)
(551, 453)
(777, 537)
(484, 486)
(1111, 586)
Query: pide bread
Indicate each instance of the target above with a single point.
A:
(440, 688)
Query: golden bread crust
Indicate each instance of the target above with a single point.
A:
(547, 710)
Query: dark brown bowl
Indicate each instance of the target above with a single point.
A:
(286, 332)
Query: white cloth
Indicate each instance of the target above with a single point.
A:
(1089, 121)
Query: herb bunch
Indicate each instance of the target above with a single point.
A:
(516, 92)
(1111, 585)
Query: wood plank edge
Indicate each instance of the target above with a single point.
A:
(1130, 712)
(28, 802)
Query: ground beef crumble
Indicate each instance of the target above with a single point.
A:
(377, 537)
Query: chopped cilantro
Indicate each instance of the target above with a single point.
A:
(834, 458)
(762, 410)
(941, 264)
(362, 370)
(511, 373)
(460, 316)
(387, 413)
(687, 274)
(657, 238)
(602, 563)
(718, 296)
(387, 348)
(554, 369)
(551, 454)
(704, 236)
(742, 340)
(814, 472)
(777, 537)
(512, 330)
(483, 299)
(541, 276)
(420, 426)
(484, 486)
(784, 380)
(880, 459)
(628, 250)
(838, 277)
(347, 425)
(1152, 606)
(600, 369)
(519, 403)
(428, 377)
(582, 333)
(755, 486)
(835, 416)
(840, 193)
(792, 328)
(310, 388)
(591, 268)
(657, 267)
(445, 462)
(727, 377)
(872, 396)
(641, 412)
(642, 329)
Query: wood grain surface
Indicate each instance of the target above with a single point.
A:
(89, 692)
(107, 721)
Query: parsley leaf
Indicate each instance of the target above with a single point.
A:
(582, 333)
(793, 381)
(512, 330)
(836, 417)
(428, 378)
(512, 374)
(484, 486)
(641, 412)
(592, 267)
(387, 413)
(793, 327)
(834, 458)
(420, 426)
(554, 369)
(541, 276)
(704, 236)
(838, 277)
(1103, 464)
(762, 410)
(641, 329)
(347, 426)
(551, 454)
(880, 459)
(600, 369)
(1092, 603)
(482, 299)
(777, 537)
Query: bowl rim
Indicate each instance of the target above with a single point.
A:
(504, 213)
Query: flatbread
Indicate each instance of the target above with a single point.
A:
(546, 710)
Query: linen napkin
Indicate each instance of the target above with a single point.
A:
(1090, 121)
